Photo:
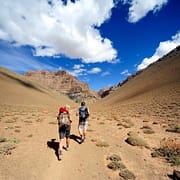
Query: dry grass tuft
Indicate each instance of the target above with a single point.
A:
(175, 128)
(126, 174)
(7, 145)
(114, 165)
(114, 157)
(126, 123)
(115, 162)
(102, 143)
(147, 130)
(170, 150)
(135, 140)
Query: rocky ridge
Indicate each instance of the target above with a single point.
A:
(63, 82)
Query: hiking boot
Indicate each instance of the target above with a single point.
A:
(60, 154)
(66, 148)
(82, 139)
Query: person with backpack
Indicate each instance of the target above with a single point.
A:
(64, 127)
(83, 113)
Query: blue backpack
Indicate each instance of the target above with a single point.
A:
(83, 112)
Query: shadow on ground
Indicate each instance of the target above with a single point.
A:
(75, 138)
(54, 145)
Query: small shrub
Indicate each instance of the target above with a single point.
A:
(102, 144)
(170, 150)
(114, 165)
(174, 129)
(135, 140)
(14, 140)
(114, 157)
(147, 130)
(126, 174)
(126, 123)
(2, 139)
(6, 149)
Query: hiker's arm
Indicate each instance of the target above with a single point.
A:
(69, 116)
(88, 111)
(77, 113)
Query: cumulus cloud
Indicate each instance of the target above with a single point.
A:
(94, 70)
(54, 29)
(140, 8)
(78, 70)
(163, 49)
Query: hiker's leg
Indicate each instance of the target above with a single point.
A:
(67, 143)
(80, 129)
(85, 129)
(68, 130)
(61, 143)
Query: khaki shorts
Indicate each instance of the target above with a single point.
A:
(83, 125)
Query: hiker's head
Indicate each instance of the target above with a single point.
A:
(67, 107)
(83, 103)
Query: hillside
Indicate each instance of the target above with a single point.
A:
(133, 132)
(16, 89)
(63, 82)
(157, 86)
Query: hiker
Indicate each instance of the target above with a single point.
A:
(64, 125)
(83, 113)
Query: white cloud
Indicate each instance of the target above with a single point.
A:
(106, 73)
(140, 8)
(94, 70)
(15, 59)
(163, 49)
(78, 70)
(55, 29)
(125, 72)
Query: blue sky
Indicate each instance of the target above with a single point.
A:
(100, 42)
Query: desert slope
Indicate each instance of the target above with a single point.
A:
(16, 89)
(163, 73)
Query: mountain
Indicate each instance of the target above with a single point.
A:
(17, 89)
(171, 55)
(151, 91)
(63, 82)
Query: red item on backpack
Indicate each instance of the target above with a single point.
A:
(63, 109)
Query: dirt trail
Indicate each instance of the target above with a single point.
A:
(34, 157)
(82, 161)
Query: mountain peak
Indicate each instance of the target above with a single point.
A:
(63, 82)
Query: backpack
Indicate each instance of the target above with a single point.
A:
(63, 119)
(83, 112)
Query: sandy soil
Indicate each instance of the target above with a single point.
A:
(34, 156)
